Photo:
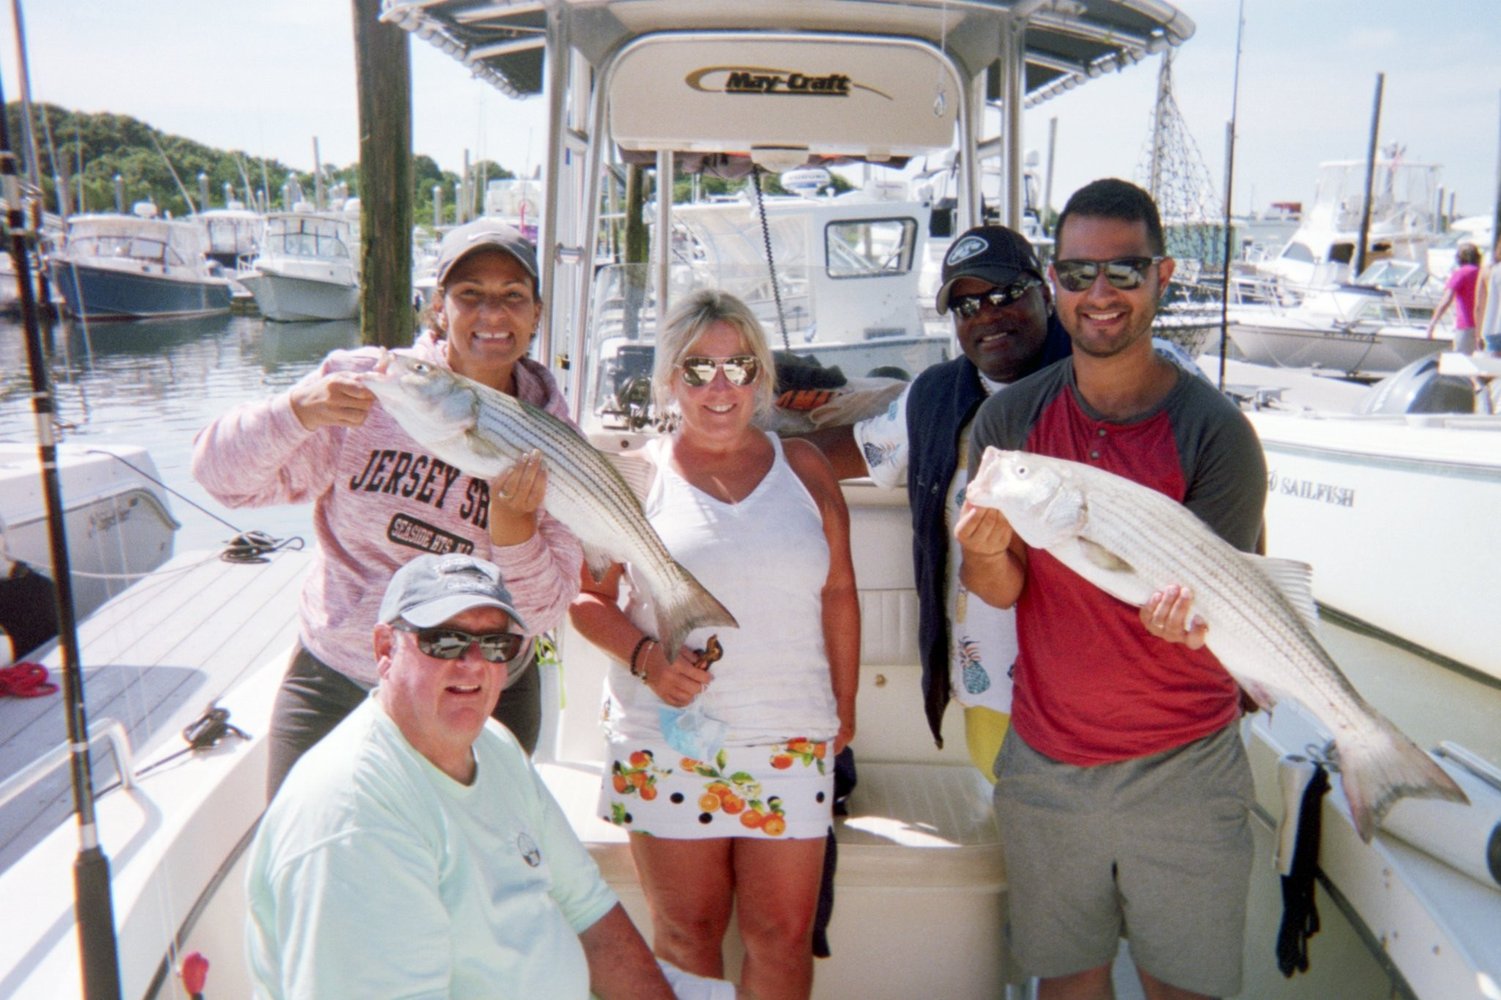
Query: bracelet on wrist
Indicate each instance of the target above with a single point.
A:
(638, 668)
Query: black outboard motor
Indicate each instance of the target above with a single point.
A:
(1419, 388)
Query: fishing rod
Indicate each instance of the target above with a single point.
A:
(1240, 27)
(93, 907)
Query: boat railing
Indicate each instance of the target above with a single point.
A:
(112, 730)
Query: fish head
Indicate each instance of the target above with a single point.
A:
(427, 400)
(1035, 493)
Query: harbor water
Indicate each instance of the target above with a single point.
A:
(156, 384)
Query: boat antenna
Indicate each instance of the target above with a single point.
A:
(98, 950)
(192, 209)
(1240, 27)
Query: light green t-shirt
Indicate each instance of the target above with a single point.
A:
(374, 874)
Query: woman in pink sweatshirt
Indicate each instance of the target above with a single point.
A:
(380, 499)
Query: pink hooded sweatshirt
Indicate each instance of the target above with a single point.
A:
(379, 499)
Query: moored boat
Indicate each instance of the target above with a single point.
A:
(1397, 514)
(305, 268)
(1323, 249)
(129, 267)
(233, 233)
(1351, 328)
(637, 68)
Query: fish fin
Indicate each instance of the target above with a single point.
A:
(1383, 766)
(690, 607)
(1104, 558)
(635, 469)
(1295, 580)
(598, 561)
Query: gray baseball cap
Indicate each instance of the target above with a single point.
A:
(480, 234)
(431, 589)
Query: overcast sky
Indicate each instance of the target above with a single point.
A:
(271, 75)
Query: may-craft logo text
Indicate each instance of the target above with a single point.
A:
(764, 80)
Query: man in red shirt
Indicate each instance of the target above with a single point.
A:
(1122, 788)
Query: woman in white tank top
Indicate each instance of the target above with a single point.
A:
(763, 525)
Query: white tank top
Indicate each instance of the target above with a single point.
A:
(765, 558)
(1490, 323)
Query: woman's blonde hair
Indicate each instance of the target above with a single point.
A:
(687, 322)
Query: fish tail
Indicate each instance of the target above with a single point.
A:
(691, 607)
(1385, 766)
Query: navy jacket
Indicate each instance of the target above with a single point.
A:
(940, 405)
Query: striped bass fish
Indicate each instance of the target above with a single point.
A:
(1132, 541)
(484, 432)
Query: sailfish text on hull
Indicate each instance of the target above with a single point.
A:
(1307, 489)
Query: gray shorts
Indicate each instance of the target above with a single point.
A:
(1157, 850)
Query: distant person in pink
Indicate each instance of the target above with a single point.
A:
(1459, 291)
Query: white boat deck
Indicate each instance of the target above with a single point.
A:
(153, 658)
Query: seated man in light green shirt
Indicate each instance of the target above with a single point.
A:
(414, 852)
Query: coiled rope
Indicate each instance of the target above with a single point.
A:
(245, 546)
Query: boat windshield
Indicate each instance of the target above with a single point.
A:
(307, 237)
(125, 247)
(864, 247)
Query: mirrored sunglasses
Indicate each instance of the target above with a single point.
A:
(1124, 273)
(451, 643)
(740, 370)
(968, 306)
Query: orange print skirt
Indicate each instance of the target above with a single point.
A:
(776, 791)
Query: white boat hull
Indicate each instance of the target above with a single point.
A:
(1332, 349)
(199, 631)
(295, 297)
(1398, 517)
(119, 524)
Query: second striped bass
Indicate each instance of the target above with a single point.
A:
(1132, 541)
(484, 432)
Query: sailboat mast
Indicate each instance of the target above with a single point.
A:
(98, 949)
(1370, 178)
(1240, 27)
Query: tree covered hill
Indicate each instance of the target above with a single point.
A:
(82, 153)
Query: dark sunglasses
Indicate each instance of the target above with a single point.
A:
(1124, 273)
(741, 370)
(969, 306)
(450, 643)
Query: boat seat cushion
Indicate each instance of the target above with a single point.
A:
(913, 825)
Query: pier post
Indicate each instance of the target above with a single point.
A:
(384, 83)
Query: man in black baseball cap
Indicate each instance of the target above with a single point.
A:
(993, 284)
(1003, 320)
